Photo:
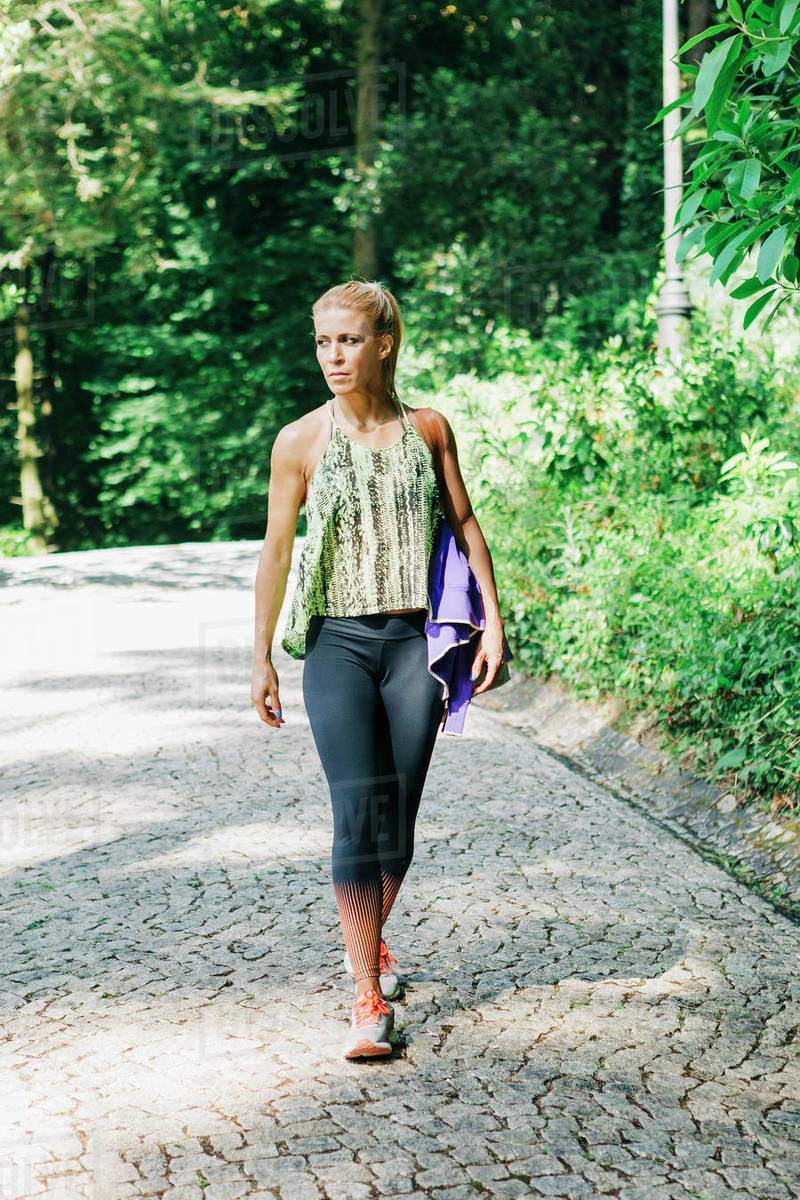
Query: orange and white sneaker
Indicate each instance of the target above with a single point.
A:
(390, 984)
(372, 1022)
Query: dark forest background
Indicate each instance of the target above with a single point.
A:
(170, 307)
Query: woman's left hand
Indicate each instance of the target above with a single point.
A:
(490, 652)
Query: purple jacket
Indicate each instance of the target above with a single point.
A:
(455, 618)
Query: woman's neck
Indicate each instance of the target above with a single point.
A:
(364, 413)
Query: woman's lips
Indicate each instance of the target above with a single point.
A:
(338, 375)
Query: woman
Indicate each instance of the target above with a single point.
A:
(374, 476)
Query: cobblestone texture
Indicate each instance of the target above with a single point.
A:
(590, 1009)
(764, 849)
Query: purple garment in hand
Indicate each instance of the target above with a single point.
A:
(453, 625)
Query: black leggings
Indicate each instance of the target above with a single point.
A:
(375, 711)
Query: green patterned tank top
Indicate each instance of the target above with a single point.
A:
(371, 515)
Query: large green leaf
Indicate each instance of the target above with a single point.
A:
(743, 178)
(668, 108)
(721, 92)
(690, 206)
(748, 288)
(776, 59)
(774, 311)
(701, 37)
(710, 68)
(688, 242)
(725, 258)
(756, 307)
(787, 9)
(719, 233)
(771, 251)
(733, 759)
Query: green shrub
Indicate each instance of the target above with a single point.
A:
(642, 531)
(15, 541)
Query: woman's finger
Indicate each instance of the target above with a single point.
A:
(477, 664)
(275, 708)
(491, 671)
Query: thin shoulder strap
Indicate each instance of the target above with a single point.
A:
(403, 415)
(330, 414)
(432, 438)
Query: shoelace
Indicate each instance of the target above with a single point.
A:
(386, 960)
(367, 1008)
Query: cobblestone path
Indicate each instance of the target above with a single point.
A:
(590, 1009)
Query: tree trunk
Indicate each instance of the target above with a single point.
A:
(698, 19)
(47, 394)
(38, 516)
(365, 255)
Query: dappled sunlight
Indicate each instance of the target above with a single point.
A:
(287, 840)
(173, 985)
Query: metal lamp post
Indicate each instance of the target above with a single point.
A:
(673, 305)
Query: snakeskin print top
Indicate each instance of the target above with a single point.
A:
(371, 515)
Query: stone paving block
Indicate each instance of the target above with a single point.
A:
(561, 1185)
(310, 1145)
(486, 1172)
(227, 1190)
(152, 1185)
(472, 1153)
(434, 1177)
(507, 1189)
(649, 1191)
(110, 1168)
(343, 1190)
(273, 1172)
(298, 1186)
(756, 1180)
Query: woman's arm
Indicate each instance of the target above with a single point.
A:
(470, 540)
(287, 489)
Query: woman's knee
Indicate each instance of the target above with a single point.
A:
(356, 828)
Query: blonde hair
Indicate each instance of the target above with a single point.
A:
(379, 305)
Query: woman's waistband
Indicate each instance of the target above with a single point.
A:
(390, 626)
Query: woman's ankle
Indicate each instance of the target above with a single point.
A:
(371, 982)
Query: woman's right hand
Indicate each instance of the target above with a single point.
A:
(264, 694)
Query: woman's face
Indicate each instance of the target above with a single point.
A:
(349, 354)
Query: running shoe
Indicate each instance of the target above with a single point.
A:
(371, 1023)
(390, 984)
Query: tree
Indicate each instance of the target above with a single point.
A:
(88, 106)
(369, 57)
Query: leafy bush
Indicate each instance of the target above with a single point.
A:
(642, 531)
(15, 541)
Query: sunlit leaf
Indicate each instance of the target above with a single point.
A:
(770, 252)
(756, 308)
(710, 67)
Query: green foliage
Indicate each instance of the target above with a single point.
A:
(642, 532)
(15, 542)
(94, 115)
(741, 202)
(171, 213)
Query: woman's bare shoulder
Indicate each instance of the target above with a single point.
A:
(294, 442)
(427, 416)
(424, 411)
